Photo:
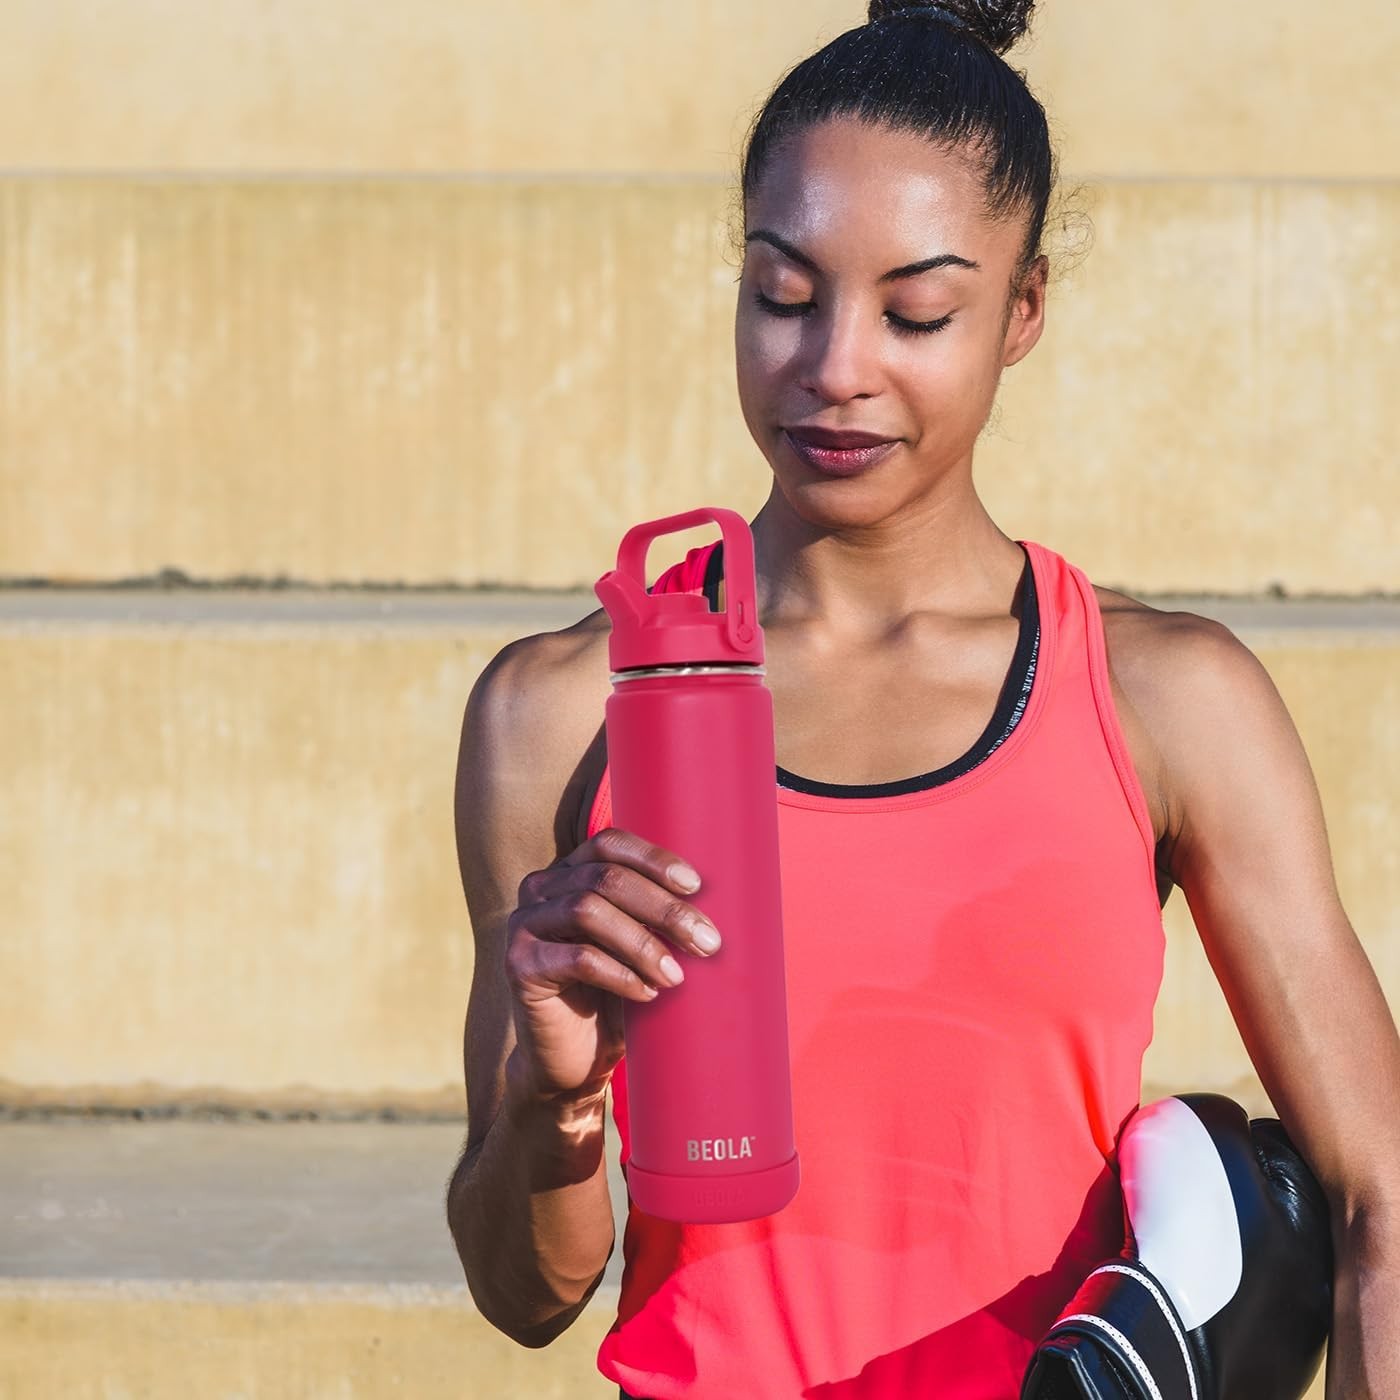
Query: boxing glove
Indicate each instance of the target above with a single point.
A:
(1224, 1288)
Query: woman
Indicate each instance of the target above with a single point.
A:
(974, 951)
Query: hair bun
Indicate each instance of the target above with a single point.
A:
(997, 23)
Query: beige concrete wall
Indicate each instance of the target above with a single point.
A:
(228, 851)
(228, 861)
(138, 1341)
(486, 381)
(1261, 88)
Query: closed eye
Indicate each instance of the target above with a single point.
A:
(800, 308)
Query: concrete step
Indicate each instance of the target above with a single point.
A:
(228, 852)
(347, 85)
(486, 381)
(269, 1260)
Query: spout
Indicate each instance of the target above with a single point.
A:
(621, 597)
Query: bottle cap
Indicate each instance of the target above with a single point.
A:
(678, 629)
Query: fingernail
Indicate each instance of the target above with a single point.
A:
(671, 970)
(685, 877)
(706, 938)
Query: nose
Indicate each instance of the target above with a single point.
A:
(840, 358)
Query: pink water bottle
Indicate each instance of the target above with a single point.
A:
(689, 728)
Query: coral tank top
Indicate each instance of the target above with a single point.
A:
(973, 957)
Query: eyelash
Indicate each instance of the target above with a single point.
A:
(778, 308)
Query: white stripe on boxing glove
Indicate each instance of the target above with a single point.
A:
(1172, 1173)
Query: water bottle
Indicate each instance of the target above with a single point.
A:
(689, 728)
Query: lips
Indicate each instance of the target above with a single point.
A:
(840, 440)
(841, 461)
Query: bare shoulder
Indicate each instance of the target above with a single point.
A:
(563, 660)
(1172, 672)
(1142, 635)
(562, 671)
(1151, 651)
(549, 693)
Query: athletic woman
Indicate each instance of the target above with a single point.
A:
(992, 773)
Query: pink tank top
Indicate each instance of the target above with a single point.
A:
(972, 965)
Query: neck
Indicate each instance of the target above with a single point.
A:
(866, 579)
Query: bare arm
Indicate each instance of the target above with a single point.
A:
(532, 1218)
(528, 1202)
(1252, 855)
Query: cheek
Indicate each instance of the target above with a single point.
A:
(952, 363)
(762, 351)
(940, 386)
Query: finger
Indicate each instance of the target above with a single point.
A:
(585, 916)
(611, 845)
(543, 967)
(615, 844)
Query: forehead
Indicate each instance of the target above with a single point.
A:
(847, 193)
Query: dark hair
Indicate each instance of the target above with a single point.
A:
(911, 68)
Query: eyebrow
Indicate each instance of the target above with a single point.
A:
(895, 274)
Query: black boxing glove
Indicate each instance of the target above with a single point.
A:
(1224, 1288)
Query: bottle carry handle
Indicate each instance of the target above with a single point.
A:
(740, 608)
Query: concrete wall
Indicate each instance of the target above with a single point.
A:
(285, 1342)
(478, 381)
(1261, 89)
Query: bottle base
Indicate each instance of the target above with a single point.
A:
(714, 1200)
